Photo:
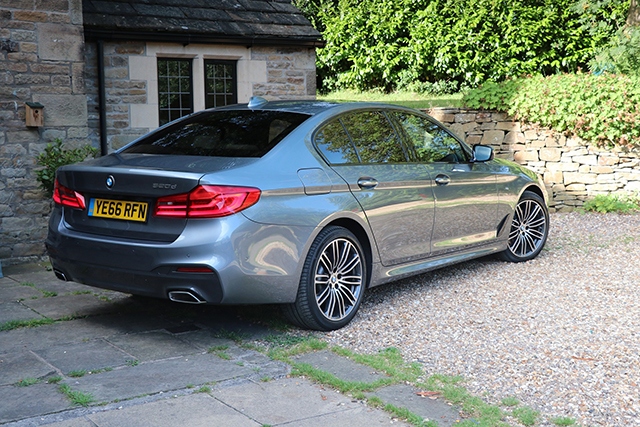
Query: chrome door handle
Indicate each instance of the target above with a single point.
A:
(367, 183)
(442, 180)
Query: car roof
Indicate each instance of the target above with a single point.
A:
(311, 107)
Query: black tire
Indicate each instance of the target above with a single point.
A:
(332, 283)
(529, 229)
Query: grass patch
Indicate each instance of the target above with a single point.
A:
(526, 416)
(77, 373)
(26, 382)
(204, 389)
(407, 99)
(283, 351)
(231, 335)
(388, 360)
(563, 421)
(31, 323)
(220, 351)
(76, 397)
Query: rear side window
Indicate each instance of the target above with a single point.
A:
(231, 133)
(375, 139)
(335, 145)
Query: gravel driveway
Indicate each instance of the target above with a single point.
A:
(560, 333)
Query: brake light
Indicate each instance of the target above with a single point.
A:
(67, 197)
(207, 201)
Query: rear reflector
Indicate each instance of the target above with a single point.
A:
(207, 201)
(67, 197)
(194, 269)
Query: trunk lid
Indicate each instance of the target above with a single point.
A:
(121, 190)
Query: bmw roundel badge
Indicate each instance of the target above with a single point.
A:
(110, 181)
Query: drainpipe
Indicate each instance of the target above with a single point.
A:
(102, 100)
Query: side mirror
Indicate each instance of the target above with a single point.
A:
(482, 153)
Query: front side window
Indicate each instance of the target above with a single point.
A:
(175, 89)
(220, 83)
(430, 142)
(238, 133)
(374, 138)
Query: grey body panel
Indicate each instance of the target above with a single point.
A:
(408, 219)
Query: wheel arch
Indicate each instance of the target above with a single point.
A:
(357, 229)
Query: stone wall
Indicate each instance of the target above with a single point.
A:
(291, 73)
(41, 60)
(120, 93)
(573, 170)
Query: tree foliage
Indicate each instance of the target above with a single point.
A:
(397, 43)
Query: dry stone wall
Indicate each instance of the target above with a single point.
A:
(573, 170)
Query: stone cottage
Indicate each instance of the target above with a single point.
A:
(105, 72)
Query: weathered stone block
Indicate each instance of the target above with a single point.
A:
(552, 177)
(550, 154)
(606, 160)
(59, 42)
(509, 126)
(579, 178)
(64, 110)
(493, 137)
(464, 118)
(576, 187)
(514, 138)
(590, 159)
(525, 156)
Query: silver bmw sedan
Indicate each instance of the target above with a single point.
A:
(306, 204)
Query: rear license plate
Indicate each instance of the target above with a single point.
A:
(118, 209)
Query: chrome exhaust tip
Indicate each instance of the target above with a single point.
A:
(186, 297)
(60, 275)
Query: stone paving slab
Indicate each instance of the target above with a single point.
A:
(405, 396)
(12, 311)
(176, 412)
(58, 307)
(148, 358)
(17, 403)
(19, 366)
(152, 345)
(158, 376)
(292, 399)
(85, 356)
(341, 367)
(12, 291)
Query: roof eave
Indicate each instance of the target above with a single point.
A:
(94, 34)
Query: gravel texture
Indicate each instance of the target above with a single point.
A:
(560, 333)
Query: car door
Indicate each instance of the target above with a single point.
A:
(466, 196)
(395, 195)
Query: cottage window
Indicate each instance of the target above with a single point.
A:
(220, 83)
(175, 89)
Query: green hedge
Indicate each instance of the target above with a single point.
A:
(394, 44)
(602, 109)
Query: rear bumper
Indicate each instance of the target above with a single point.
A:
(157, 284)
(250, 263)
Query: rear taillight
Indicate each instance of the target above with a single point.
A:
(207, 201)
(67, 197)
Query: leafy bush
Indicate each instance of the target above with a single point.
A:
(54, 156)
(603, 109)
(398, 43)
(621, 55)
(612, 203)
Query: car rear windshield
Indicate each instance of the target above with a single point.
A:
(230, 133)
